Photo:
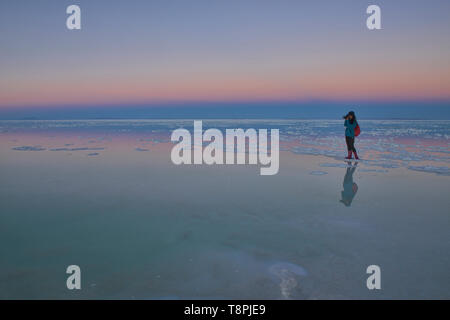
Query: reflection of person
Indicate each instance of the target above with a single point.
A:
(350, 126)
(350, 188)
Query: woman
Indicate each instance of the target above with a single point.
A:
(350, 125)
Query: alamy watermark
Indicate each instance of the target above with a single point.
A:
(241, 147)
(373, 22)
(74, 280)
(374, 280)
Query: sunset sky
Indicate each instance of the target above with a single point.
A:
(153, 52)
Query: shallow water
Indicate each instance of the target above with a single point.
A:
(104, 195)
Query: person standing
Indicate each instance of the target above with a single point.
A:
(350, 126)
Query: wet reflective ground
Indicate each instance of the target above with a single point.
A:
(105, 195)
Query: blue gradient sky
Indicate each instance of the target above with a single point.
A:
(156, 53)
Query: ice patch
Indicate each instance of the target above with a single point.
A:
(29, 148)
(318, 173)
(334, 165)
(287, 274)
(372, 170)
(77, 149)
(383, 164)
(438, 170)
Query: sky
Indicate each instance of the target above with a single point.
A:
(234, 52)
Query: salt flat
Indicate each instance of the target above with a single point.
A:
(140, 227)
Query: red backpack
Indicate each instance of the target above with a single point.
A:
(357, 130)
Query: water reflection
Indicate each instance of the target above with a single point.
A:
(350, 187)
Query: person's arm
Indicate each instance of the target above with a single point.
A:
(346, 123)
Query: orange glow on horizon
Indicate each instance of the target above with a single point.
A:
(400, 87)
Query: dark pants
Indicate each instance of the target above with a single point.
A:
(350, 143)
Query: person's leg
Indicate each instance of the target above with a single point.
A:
(349, 147)
(352, 143)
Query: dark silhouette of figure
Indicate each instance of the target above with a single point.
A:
(350, 187)
(350, 125)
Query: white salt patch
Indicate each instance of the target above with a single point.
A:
(29, 148)
(438, 170)
(318, 173)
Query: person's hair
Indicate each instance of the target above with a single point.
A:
(353, 119)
